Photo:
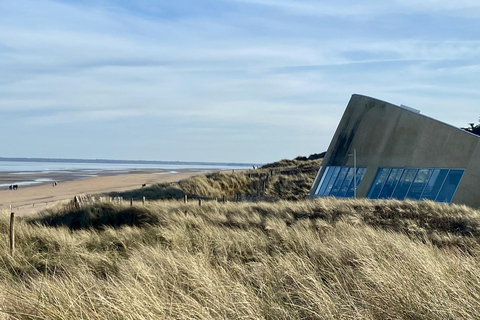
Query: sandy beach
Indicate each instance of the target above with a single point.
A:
(31, 199)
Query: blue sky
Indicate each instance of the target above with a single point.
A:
(223, 80)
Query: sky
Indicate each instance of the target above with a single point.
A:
(223, 80)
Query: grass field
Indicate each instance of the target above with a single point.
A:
(322, 259)
(282, 180)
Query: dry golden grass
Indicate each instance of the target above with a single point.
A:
(322, 259)
(283, 180)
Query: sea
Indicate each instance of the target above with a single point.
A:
(36, 168)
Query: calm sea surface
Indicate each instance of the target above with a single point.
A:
(32, 172)
(53, 166)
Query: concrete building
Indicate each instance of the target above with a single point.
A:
(382, 151)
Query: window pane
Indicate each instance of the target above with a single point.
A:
(450, 186)
(346, 183)
(404, 184)
(322, 181)
(332, 180)
(327, 176)
(360, 174)
(418, 184)
(391, 183)
(378, 183)
(338, 183)
(434, 184)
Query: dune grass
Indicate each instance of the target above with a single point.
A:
(282, 180)
(322, 259)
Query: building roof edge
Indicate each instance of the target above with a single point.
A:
(412, 110)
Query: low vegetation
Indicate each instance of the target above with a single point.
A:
(282, 180)
(322, 259)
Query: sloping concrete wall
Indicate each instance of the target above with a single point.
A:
(386, 135)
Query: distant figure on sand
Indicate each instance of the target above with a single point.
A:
(15, 187)
(144, 185)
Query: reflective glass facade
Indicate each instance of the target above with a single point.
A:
(339, 181)
(416, 184)
(407, 155)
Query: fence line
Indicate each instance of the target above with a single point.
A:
(89, 199)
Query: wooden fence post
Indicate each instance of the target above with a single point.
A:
(76, 201)
(185, 199)
(223, 199)
(131, 202)
(12, 233)
(143, 200)
(200, 202)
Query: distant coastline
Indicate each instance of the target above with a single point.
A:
(141, 162)
(39, 171)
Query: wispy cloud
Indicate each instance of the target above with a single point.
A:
(356, 8)
(67, 117)
(226, 70)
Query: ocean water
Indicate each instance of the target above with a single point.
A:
(27, 167)
(31, 172)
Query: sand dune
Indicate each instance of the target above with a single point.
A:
(28, 200)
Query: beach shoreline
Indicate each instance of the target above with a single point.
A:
(26, 179)
(31, 199)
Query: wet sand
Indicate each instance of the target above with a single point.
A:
(34, 198)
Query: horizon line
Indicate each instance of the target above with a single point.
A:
(75, 160)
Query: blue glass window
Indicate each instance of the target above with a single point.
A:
(353, 187)
(450, 186)
(346, 183)
(421, 179)
(434, 184)
(332, 180)
(412, 183)
(326, 175)
(391, 183)
(378, 183)
(404, 184)
(339, 181)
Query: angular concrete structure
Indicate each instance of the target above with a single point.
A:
(381, 151)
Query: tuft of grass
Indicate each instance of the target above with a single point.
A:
(96, 215)
(216, 185)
